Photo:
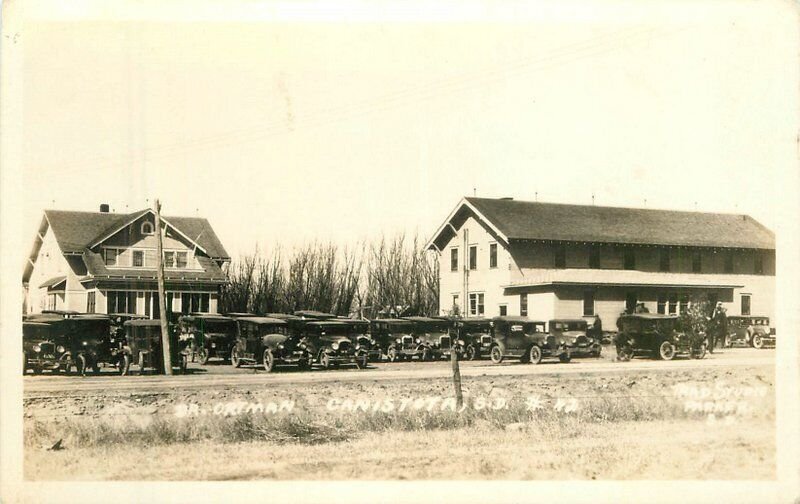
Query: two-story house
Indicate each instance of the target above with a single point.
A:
(102, 262)
(545, 260)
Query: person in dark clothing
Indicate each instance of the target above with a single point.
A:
(717, 327)
(597, 328)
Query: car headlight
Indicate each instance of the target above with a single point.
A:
(280, 346)
(302, 345)
(358, 347)
(84, 343)
(335, 345)
(562, 342)
(417, 340)
(37, 348)
(398, 340)
(60, 349)
(460, 342)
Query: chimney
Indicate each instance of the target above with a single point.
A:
(104, 207)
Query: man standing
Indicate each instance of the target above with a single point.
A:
(718, 327)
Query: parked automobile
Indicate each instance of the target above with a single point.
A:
(432, 337)
(520, 337)
(360, 335)
(750, 331)
(94, 343)
(575, 333)
(473, 336)
(268, 341)
(43, 345)
(657, 335)
(211, 335)
(329, 343)
(145, 349)
(394, 337)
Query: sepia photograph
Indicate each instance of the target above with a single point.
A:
(348, 251)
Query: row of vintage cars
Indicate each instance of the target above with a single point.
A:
(66, 341)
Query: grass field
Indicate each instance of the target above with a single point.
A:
(631, 425)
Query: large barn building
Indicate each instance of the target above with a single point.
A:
(545, 260)
(103, 262)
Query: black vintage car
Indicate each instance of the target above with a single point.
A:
(93, 343)
(269, 342)
(394, 337)
(360, 336)
(750, 331)
(329, 343)
(520, 337)
(43, 345)
(431, 336)
(575, 333)
(660, 336)
(144, 346)
(473, 337)
(211, 336)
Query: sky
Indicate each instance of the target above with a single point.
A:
(288, 122)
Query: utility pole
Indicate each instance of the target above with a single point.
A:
(453, 353)
(162, 303)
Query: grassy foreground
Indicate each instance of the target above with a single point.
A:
(624, 428)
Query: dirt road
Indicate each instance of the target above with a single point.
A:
(220, 375)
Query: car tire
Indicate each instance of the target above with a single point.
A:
(236, 361)
(203, 355)
(758, 341)
(361, 362)
(325, 360)
(470, 353)
(666, 351)
(37, 370)
(565, 357)
(496, 354)
(96, 367)
(535, 355)
(700, 353)
(268, 360)
(624, 353)
(124, 364)
(80, 364)
(391, 354)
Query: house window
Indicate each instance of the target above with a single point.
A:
(492, 255)
(728, 267)
(147, 228)
(673, 304)
(588, 303)
(758, 266)
(629, 260)
(476, 304)
(663, 263)
(560, 257)
(684, 304)
(697, 262)
(120, 302)
(662, 304)
(594, 257)
(181, 259)
(111, 256)
(169, 259)
(523, 305)
(138, 258)
(503, 310)
(455, 303)
(90, 302)
(745, 304)
(453, 259)
(473, 257)
(630, 302)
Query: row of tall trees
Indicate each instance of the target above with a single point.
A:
(386, 277)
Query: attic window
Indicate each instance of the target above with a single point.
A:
(147, 228)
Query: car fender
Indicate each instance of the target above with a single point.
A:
(272, 341)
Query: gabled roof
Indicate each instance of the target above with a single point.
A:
(76, 231)
(527, 220)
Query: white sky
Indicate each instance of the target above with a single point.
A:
(292, 121)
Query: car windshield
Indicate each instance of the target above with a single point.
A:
(432, 327)
(89, 328)
(220, 326)
(331, 330)
(401, 327)
(569, 325)
(478, 328)
(37, 332)
(358, 329)
(761, 321)
(272, 329)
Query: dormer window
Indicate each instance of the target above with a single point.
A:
(147, 228)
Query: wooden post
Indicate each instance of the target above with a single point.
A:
(162, 302)
(456, 373)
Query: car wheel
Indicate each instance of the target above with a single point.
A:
(470, 353)
(496, 355)
(96, 367)
(269, 360)
(666, 350)
(361, 362)
(37, 370)
(236, 361)
(624, 353)
(535, 355)
(80, 364)
(565, 357)
(325, 360)
(758, 341)
(124, 364)
(391, 354)
(700, 352)
(202, 355)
